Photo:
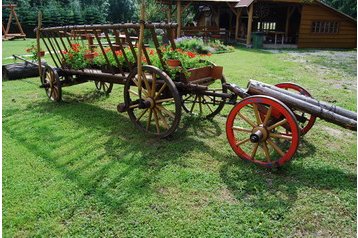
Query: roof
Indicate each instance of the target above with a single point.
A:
(244, 3)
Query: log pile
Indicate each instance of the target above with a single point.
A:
(323, 110)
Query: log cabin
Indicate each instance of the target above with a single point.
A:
(283, 23)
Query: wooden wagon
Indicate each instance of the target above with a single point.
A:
(265, 127)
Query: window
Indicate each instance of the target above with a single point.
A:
(266, 26)
(325, 27)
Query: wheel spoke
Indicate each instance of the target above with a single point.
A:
(192, 106)
(162, 118)
(132, 92)
(165, 100)
(200, 105)
(242, 142)
(209, 107)
(257, 114)
(146, 83)
(280, 123)
(156, 121)
(149, 119)
(246, 119)
(160, 91)
(278, 150)
(280, 136)
(154, 78)
(237, 128)
(268, 115)
(253, 154)
(166, 111)
(267, 154)
(141, 115)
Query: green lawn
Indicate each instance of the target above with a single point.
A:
(80, 169)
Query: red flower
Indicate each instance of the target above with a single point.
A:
(95, 54)
(75, 47)
(151, 52)
(119, 53)
(107, 50)
(191, 54)
(64, 52)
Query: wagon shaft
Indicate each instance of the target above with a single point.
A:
(323, 110)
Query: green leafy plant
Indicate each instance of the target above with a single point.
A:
(74, 57)
(34, 52)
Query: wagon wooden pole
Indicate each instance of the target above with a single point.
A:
(140, 46)
(39, 25)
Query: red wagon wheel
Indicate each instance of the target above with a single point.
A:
(156, 108)
(104, 86)
(305, 120)
(263, 130)
(52, 84)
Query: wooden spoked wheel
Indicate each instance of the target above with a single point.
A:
(156, 108)
(263, 130)
(203, 105)
(305, 120)
(104, 86)
(52, 84)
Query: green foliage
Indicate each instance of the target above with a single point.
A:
(348, 7)
(199, 46)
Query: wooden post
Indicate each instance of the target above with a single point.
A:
(237, 28)
(17, 21)
(140, 46)
(38, 37)
(289, 14)
(179, 17)
(249, 24)
(169, 12)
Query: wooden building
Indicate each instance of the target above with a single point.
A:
(283, 23)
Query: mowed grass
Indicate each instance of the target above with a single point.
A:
(81, 169)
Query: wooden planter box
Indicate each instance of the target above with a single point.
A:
(214, 72)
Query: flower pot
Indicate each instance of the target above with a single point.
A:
(41, 53)
(214, 72)
(173, 63)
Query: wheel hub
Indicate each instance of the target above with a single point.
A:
(258, 134)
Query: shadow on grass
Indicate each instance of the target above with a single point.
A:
(128, 162)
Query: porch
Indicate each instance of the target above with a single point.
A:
(238, 20)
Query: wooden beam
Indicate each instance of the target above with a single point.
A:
(8, 24)
(17, 21)
(249, 24)
(179, 18)
(38, 43)
(237, 26)
(232, 8)
(290, 11)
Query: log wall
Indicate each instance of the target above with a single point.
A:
(345, 38)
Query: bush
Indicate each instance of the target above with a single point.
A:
(199, 46)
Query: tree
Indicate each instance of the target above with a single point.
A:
(348, 7)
